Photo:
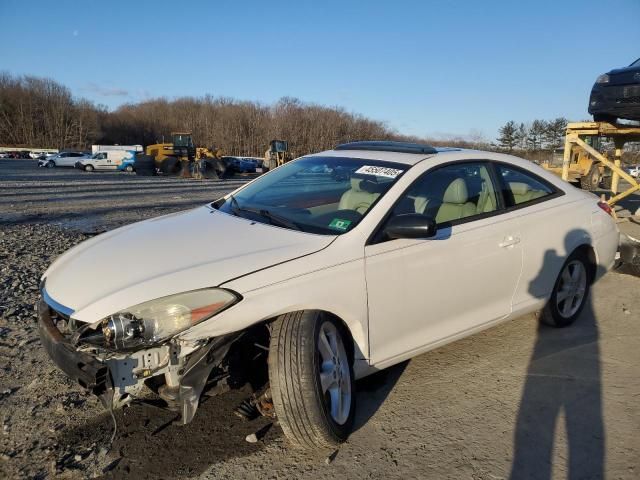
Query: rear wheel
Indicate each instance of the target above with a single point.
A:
(88, 168)
(145, 165)
(591, 181)
(51, 164)
(311, 378)
(128, 168)
(171, 166)
(604, 118)
(570, 291)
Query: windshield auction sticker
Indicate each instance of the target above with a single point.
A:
(379, 171)
(339, 224)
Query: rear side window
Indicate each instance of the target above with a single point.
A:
(520, 187)
(451, 194)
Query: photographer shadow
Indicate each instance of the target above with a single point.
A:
(563, 377)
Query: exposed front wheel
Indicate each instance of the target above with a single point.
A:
(88, 168)
(128, 169)
(570, 292)
(51, 164)
(311, 378)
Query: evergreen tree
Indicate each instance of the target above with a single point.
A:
(508, 138)
(554, 133)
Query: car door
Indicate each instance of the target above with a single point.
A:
(101, 161)
(63, 159)
(425, 292)
(549, 226)
(71, 159)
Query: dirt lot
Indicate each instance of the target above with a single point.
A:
(516, 401)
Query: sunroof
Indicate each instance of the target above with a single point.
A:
(386, 146)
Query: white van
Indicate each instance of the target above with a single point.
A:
(109, 160)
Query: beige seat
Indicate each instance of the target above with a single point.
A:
(356, 198)
(486, 200)
(522, 192)
(455, 203)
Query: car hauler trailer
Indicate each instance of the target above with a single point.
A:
(582, 160)
(585, 162)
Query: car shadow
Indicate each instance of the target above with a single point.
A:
(373, 390)
(563, 378)
(148, 445)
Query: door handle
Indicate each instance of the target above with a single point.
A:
(509, 242)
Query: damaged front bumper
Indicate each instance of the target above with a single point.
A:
(177, 372)
(81, 367)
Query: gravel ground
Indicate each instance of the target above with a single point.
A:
(516, 400)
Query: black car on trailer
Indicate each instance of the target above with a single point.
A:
(616, 94)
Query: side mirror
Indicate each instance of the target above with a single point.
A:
(410, 225)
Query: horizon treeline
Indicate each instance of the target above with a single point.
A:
(40, 112)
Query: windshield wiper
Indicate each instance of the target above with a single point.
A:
(273, 218)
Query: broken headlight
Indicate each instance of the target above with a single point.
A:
(151, 322)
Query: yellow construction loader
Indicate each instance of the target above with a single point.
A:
(174, 158)
(276, 155)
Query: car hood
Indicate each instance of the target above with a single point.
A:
(171, 254)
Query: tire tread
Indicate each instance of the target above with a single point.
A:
(293, 381)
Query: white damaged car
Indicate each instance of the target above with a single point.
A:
(324, 270)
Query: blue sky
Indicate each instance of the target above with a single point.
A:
(428, 68)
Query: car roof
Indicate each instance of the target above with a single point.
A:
(388, 156)
(444, 155)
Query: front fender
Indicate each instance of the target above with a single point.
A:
(339, 290)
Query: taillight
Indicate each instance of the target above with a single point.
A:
(606, 207)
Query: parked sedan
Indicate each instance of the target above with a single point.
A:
(616, 94)
(299, 283)
(62, 159)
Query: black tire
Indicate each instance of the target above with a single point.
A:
(88, 168)
(599, 117)
(591, 181)
(128, 168)
(273, 163)
(171, 166)
(51, 164)
(607, 182)
(145, 165)
(551, 314)
(303, 410)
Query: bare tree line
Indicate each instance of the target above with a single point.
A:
(39, 112)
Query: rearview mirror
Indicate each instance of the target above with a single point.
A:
(410, 225)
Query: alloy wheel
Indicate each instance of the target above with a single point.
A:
(571, 289)
(334, 373)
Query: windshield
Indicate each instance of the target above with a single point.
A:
(325, 195)
(182, 140)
